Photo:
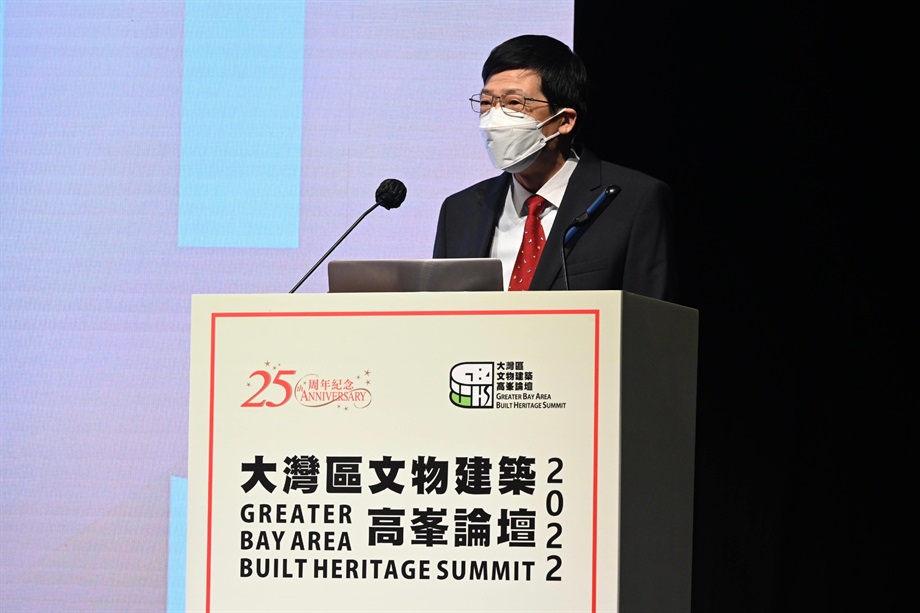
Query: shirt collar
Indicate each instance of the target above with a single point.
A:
(552, 191)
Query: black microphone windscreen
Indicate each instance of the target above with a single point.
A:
(391, 193)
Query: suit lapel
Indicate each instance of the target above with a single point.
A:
(492, 196)
(584, 186)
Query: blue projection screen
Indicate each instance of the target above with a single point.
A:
(155, 149)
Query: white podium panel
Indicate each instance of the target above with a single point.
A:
(424, 452)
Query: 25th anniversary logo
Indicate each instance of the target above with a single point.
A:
(271, 386)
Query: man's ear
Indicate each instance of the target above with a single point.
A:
(567, 121)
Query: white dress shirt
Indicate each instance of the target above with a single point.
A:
(510, 229)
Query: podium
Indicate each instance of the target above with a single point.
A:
(468, 451)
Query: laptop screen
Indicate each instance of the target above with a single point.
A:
(440, 275)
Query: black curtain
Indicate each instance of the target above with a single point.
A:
(778, 127)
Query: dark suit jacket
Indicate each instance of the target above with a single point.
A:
(627, 246)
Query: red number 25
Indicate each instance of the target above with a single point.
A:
(266, 382)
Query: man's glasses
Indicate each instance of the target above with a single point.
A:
(512, 104)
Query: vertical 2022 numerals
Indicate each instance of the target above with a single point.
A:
(554, 504)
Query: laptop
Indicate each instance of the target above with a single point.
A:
(440, 275)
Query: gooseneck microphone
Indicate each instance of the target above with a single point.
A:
(578, 226)
(390, 195)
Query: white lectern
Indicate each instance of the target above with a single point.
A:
(465, 451)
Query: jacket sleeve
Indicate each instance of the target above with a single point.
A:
(649, 269)
(440, 238)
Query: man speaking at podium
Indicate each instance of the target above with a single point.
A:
(532, 104)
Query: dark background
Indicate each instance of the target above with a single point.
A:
(776, 126)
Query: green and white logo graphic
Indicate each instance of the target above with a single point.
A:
(471, 385)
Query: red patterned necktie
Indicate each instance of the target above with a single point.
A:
(531, 245)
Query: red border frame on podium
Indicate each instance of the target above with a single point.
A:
(584, 416)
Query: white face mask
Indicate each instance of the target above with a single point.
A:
(513, 142)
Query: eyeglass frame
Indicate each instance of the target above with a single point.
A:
(477, 99)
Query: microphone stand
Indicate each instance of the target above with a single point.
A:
(575, 229)
(325, 255)
(565, 272)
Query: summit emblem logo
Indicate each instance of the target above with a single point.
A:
(472, 385)
(499, 385)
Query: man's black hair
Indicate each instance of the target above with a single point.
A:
(563, 77)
